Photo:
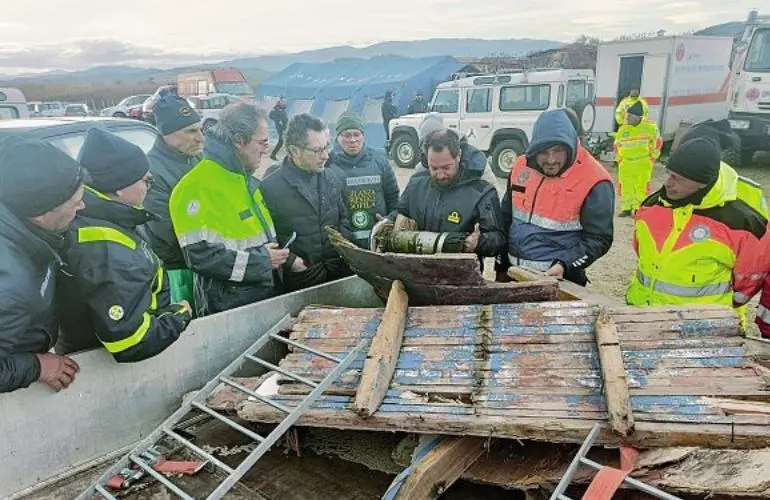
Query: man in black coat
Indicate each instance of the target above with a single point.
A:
(451, 197)
(389, 112)
(41, 189)
(115, 290)
(280, 120)
(174, 154)
(304, 198)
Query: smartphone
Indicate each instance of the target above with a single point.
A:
(290, 240)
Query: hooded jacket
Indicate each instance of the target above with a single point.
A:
(28, 323)
(535, 204)
(305, 203)
(168, 167)
(223, 225)
(458, 206)
(369, 187)
(713, 250)
(114, 289)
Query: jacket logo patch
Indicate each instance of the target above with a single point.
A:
(360, 219)
(454, 217)
(185, 111)
(700, 233)
(193, 207)
(523, 177)
(116, 313)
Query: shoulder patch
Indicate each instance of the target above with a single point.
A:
(193, 207)
(116, 313)
(454, 217)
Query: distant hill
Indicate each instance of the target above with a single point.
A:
(103, 85)
(732, 29)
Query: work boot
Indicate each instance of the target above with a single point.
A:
(625, 213)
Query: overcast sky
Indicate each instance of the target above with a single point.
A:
(72, 34)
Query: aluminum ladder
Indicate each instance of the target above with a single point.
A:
(580, 458)
(198, 402)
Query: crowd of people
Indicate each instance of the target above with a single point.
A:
(121, 249)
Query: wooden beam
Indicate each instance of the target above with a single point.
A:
(383, 353)
(738, 407)
(614, 375)
(441, 467)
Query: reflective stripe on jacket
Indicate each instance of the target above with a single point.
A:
(715, 252)
(639, 144)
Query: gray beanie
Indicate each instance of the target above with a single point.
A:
(429, 124)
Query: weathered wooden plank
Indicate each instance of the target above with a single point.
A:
(614, 375)
(646, 435)
(383, 353)
(441, 467)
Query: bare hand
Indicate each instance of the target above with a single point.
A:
(57, 372)
(472, 241)
(186, 306)
(298, 266)
(277, 255)
(556, 270)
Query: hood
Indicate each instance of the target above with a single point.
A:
(222, 154)
(552, 128)
(17, 232)
(99, 206)
(341, 159)
(472, 164)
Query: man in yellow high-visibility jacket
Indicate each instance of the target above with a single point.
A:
(627, 102)
(637, 146)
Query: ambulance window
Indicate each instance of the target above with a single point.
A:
(758, 57)
(560, 97)
(447, 101)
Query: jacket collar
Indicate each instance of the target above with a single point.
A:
(38, 243)
(99, 206)
(342, 159)
(223, 154)
(300, 180)
(172, 154)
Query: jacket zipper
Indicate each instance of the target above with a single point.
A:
(534, 200)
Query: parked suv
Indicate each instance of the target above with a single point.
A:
(122, 109)
(496, 112)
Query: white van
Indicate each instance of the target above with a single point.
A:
(13, 104)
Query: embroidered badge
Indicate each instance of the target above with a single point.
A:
(360, 219)
(523, 177)
(700, 233)
(116, 313)
(185, 111)
(454, 217)
(193, 207)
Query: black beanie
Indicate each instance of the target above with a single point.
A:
(696, 159)
(113, 162)
(36, 177)
(637, 109)
(173, 113)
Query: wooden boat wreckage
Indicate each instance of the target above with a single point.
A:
(454, 355)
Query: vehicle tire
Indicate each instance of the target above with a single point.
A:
(405, 150)
(504, 156)
(747, 157)
(732, 157)
(586, 113)
(208, 124)
(118, 114)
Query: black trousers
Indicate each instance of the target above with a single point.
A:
(277, 146)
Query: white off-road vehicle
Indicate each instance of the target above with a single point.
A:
(496, 112)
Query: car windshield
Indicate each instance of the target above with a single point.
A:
(758, 57)
(235, 88)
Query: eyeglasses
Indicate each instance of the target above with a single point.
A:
(318, 151)
(149, 180)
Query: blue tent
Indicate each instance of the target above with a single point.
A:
(328, 89)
